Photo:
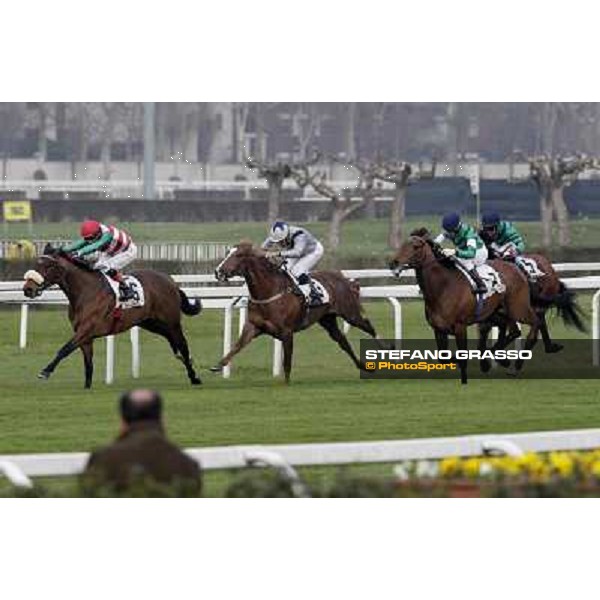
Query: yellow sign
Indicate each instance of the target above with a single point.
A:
(17, 210)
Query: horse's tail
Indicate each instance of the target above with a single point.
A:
(568, 309)
(189, 307)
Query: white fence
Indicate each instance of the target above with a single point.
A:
(232, 297)
(19, 467)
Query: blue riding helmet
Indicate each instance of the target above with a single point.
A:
(490, 219)
(279, 231)
(451, 222)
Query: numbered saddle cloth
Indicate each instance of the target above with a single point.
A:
(315, 293)
(529, 268)
(137, 292)
(490, 277)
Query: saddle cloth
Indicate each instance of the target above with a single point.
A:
(316, 299)
(529, 268)
(136, 289)
(490, 277)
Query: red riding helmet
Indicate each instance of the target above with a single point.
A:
(90, 229)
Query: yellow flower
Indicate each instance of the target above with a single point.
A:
(471, 467)
(450, 466)
(562, 463)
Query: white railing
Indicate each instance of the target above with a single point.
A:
(231, 297)
(19, 467)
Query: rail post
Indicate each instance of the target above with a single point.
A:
(135, 352)
(596, 328)
(23, 326)
(110, 359)
(227, 322)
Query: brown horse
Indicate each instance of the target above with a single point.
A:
(450, 305)
(277, 309)
(549, 292)
(92, 304)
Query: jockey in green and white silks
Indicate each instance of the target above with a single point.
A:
(502, 237)
(506, 242)
(470, 249)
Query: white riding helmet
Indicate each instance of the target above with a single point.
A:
(279, 231)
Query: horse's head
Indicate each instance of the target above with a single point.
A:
(413, 253)
(235, 264)
(49, 270)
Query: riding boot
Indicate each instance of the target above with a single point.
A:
(301, 280)
(480, 286)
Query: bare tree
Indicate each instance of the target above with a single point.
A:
(344, 201)
(241, 110)
(399, 174)
(11, 126)
(275, 174)
(306, 127)
(551, 176)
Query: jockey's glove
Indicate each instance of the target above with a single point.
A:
(273, 253)
(449, 251)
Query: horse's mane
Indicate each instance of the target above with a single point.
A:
(247, 248)
(423, 233)
(50, 250)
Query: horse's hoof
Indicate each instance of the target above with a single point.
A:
(512, 372)
(485, 366)
(216, 369)
(196, 381)
(45, 375)
(505, 363)
(553, 348)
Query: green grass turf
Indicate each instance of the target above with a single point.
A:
(360, 238)
(326, 401)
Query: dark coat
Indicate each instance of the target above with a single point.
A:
(143, 452)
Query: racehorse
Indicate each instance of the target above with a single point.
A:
(277, 309)
(92, 308)
(450, 305)
(549, 292)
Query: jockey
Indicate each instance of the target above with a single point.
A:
(470, 249)
(502, 237)
(301, 250)
(116, 250)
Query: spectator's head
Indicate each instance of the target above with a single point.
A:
(140, 405)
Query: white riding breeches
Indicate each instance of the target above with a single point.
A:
(117, 262)
(305, 264)
(479, 259)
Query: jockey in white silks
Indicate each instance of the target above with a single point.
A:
(300, 249)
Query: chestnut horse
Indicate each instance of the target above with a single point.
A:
(92, 304)
(451, 306)
(277, 309)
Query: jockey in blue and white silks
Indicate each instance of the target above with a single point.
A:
(300, 249)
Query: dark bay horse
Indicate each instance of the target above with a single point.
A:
(549, 292)
(277, 310)
(450, 305)
(92, 303)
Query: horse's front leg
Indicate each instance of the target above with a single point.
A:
(461, 344)
(65, 351)
(288, 351)
(484, 330)
(249, 332)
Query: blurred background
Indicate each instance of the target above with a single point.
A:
(191, 178)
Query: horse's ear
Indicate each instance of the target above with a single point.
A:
(48, 250)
